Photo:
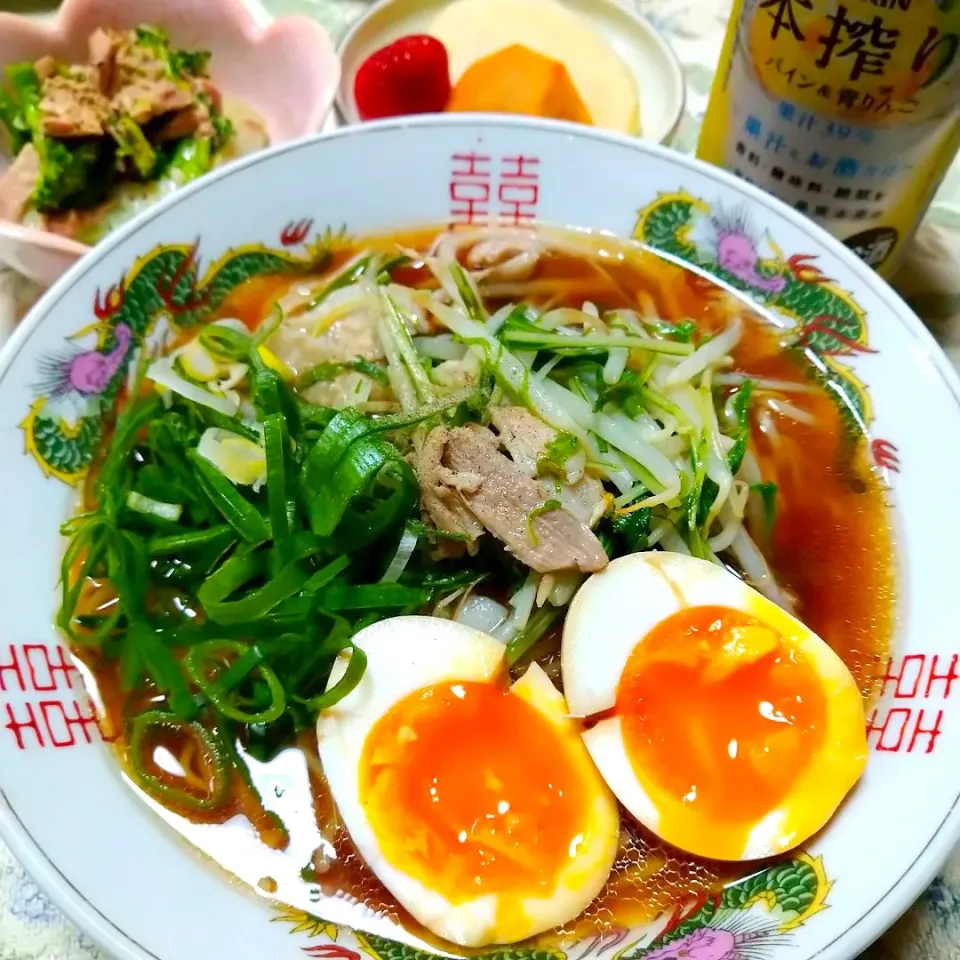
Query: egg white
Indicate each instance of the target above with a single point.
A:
(612, 613)
(404, 655)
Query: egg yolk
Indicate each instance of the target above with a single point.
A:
(471, 790)
(722, 713)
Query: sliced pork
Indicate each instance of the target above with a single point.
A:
(468, 480)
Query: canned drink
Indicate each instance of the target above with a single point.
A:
(848, 111)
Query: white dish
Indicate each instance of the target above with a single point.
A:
(649, 57)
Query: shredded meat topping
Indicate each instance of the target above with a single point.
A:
(469, 484)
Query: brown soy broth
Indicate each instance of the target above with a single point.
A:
(831, 548)
(832, 542)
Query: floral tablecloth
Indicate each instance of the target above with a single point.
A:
(31, 928)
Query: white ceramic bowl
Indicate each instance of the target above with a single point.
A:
(121, 873)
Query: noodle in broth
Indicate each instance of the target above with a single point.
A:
(823, 547)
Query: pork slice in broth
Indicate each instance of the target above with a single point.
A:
(502, 497)
(525, 438)
(340, 329)
(522, 435)
(439, 490)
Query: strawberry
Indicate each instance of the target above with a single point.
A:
(410, 75)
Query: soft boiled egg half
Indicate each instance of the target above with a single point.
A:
(474, 801)
(722, 723)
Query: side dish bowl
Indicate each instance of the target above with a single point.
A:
(115, 860)
(285, 71)
(651, 62)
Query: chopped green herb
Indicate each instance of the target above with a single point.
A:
(547, 506)
(632, 530)
(741, 408)
(325, 372)
(556, 453)
(768, 494)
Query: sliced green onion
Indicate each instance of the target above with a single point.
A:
(325, 372)
(226, 342)
(269, 327)
(258, 603)
(543, 340)
(231, 575)
(109, 484)
(154, 508)
(401, 354)
(222, 535)
(348, 426)
(242, 515)
(142, 726)
(369, 596)
(537, 626)
(349, 479)
(547, 506)
(276, 446)
(396, 493)
(394, 263)
(156, 659)
(89, 534)
(351, 677)
(326, 575)
(163, 373)
(217, 689)
(231, 425)
(408, 543)
(349, 274)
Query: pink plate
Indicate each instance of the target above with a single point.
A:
(287, 72)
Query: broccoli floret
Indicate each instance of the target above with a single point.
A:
(189, 63)
(24, 83)
(223, 130)
(11, 115)
(77, 174)
(192, 158)
(19, 104)
(80, 173)
(180, 63)
(154, 39)
(74, 175)
(132, 142)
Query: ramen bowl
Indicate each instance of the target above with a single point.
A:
(285, 72)
(125, 867)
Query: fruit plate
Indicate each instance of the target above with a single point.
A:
(647, 55)
(108, 859)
